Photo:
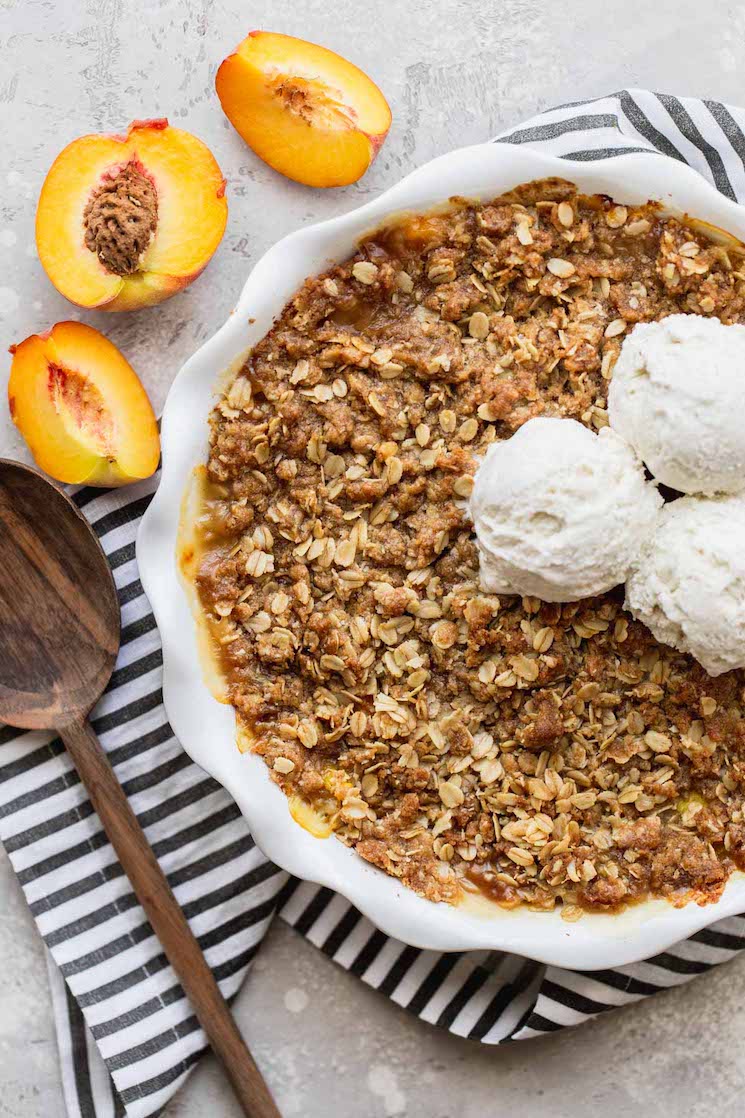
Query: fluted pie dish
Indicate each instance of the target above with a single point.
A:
(491, 749)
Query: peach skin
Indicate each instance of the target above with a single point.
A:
(81, 408)
(127, 221)
(304, 110)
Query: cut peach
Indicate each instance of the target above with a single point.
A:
(307, 112)
(81, 407)
(127, 221)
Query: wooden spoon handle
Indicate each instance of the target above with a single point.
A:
(166, 918)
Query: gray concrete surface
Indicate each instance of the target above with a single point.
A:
(454, 71)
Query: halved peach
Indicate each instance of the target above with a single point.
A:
(304, 110)
(127, 221)
(81, 408)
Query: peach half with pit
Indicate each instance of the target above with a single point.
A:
(127, 221)
(304, 110)
(81, 408)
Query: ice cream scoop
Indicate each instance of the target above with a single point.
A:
(560, 513)
(688, 586)
(677, 395)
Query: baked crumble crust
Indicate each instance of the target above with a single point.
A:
(540, 752)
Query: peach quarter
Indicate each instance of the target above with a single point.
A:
(304, 110)
(127, 221)
(81, 408)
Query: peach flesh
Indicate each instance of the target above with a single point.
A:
(81, 408)
(126, 221)
(307, 112)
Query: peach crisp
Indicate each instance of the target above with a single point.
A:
(81, 408)
(542, 753)
(127, 221)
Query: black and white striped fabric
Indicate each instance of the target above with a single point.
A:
(127, 1035)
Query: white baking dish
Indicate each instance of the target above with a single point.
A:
(206, 727)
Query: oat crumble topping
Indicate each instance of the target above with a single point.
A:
(541, 752)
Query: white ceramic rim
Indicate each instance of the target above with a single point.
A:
(206, 728)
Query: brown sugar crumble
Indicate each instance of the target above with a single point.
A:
(541, 753)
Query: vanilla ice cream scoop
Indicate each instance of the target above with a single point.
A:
(677, 395)
(688, 586)
(560, 513)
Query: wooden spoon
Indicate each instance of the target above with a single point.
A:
(59, 638)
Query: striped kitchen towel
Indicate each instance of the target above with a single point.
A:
(127, 1035)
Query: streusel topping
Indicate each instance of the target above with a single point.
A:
(541, 752)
